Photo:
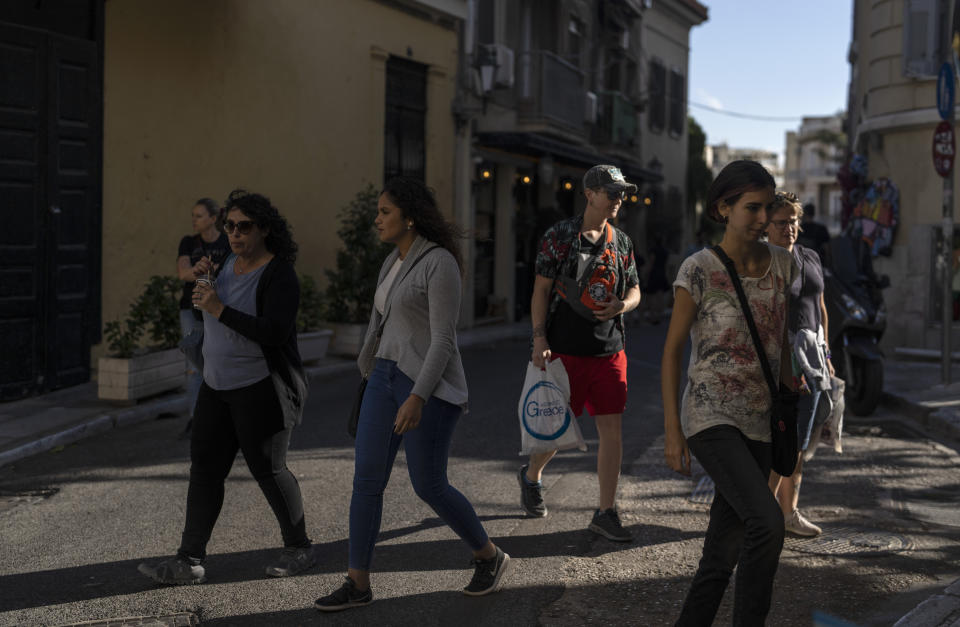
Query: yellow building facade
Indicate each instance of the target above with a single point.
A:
(895, 53)
(285, 98)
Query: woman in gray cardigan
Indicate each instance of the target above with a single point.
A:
(416, 389)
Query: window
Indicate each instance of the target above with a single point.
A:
(404, 143)
(612, 80)
(925, 29)
(678, 113)
(486, 30)
(657, 88)
(575, 42)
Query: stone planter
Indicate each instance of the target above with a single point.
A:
(347, 338)
(313, 344)
(131, 379)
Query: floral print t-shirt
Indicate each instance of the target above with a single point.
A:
(725, 382)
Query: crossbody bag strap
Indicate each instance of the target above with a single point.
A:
(386, 308)
(748, 315)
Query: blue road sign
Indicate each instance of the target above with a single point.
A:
(945, 91)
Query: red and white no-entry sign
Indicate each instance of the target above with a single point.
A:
(944, 148)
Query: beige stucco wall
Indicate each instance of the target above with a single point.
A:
(893, 119)
(284, 97)
(668, 38)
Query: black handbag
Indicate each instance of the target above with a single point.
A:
(354, 416)
(783, 413)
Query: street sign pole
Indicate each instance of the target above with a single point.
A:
(946, 239)
(944, 155)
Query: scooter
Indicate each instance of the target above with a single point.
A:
(857, 320)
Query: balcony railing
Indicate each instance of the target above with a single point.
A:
(616, 120)
(550, 89)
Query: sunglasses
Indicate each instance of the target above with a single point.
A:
(787, 196)
(243, 226)
(782, 224)
(616, 194)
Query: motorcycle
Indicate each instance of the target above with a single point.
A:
(858, 318)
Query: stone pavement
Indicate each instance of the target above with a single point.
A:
(54, 420)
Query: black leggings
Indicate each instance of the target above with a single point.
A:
(745, 529)
(248, 419)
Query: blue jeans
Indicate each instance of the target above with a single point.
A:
(426, 446)
(194, 377)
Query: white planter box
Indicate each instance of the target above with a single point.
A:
(347, 338)
(141, 376)
(313, 344)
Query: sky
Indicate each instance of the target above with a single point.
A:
(783, 58)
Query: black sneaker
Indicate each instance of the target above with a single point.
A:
(344, 597)
(488, 574)
(607, 524)
(292, 560)
(531, 495)
(175, 571)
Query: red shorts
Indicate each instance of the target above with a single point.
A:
(597, 383)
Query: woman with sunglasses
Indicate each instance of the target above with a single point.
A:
(808, 333)
(416, 389)
(253, 390)
(724, 415)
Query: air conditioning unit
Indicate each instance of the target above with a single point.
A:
(590, 108)
(502, 57)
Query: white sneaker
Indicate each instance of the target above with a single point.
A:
(797, 524)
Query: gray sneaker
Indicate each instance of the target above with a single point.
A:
(607, 524)
(344, 597)
(292, 560)
(175, 571)
(488, 574)
(531, 495)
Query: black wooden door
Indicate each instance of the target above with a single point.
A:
(50, 142)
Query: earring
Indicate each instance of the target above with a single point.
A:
(409, 225)
(726, 219)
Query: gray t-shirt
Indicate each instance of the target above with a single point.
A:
(725, 382)
(230, 360)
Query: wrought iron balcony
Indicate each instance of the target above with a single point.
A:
(550, 89)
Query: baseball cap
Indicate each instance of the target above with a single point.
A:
(607, 177)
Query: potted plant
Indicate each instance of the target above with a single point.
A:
(351, 285)
(133, 371)
(312, 339)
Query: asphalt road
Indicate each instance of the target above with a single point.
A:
(69, 552)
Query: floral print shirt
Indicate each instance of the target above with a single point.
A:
(725, 382)
(560, 251)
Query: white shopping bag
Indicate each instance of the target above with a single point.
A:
(546, 421)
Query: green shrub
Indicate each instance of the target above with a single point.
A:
(157, 307)
(311, 313)
(351, 286)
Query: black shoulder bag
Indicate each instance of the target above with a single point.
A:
(783, 413)
(358, 398)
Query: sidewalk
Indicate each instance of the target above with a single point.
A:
(43, 423)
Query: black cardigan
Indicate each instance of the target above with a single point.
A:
(275, 329)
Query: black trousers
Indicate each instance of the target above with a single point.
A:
(248, 419)
(745, 529)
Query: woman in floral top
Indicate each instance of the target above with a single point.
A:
(723, 417)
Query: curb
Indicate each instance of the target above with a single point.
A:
(943, 421)
(940, 610)
(175, 403)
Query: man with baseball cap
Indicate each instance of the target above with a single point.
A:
(586, 279)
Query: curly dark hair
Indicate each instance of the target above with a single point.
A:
(258, 208)
(419, 205)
